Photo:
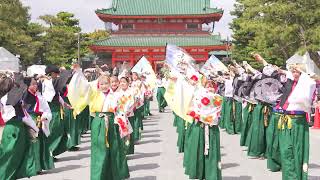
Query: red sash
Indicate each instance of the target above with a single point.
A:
(2, 123)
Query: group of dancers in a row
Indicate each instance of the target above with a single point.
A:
(268, 108)
(44, 116)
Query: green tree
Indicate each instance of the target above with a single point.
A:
(16, 33)
(61, 38)
(87, 39)
(276, 29)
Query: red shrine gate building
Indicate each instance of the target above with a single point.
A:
(144, 27)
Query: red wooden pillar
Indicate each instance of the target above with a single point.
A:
(207, 54)
(131, 55)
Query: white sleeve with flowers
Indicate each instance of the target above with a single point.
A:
(206, 107)
(125, 104)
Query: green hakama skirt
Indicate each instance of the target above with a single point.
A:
(238, 117)
(187, 144)
(197, 164)
(146, 107)
(222, 114)
(130, 149)
(84, 121)
(56, 129)
(107, 161)
(73, 129)
(175, 117)
(141, 113)
(247, 120)
(294, 147)
(256, 135)
(228, 116)
(65, 141)
(38, 156)
(273, 148)
(12, 148)
(137, 125)
(181, 128)
(162, 103)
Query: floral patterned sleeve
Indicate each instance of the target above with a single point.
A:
(124, 109)
(206, 107)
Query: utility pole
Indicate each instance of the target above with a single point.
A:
(79, 48)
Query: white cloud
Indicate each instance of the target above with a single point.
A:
(85, 11)
(223, 25)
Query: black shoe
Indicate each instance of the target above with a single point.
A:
(311, 123)
(75, 148)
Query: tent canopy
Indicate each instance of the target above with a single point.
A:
(8, 61)
(311, 67)
(36, 69)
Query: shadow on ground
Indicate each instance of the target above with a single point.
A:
(144, 167)
(144, 178)
(85, 148)
(143, 155)
(150, 124)
(314, 166)
(73, 158)
(149, 135)
(314, 177)
(237, 178)
(85, 140)
(150, 131)
(148, 141)
(63, 169)
(229, 165)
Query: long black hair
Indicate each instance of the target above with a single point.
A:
(125, 78)
(7, 84)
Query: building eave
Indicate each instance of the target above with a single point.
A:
(111, 17)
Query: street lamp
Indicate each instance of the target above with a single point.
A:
(79, 48)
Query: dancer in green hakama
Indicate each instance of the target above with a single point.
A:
(273, 147)
(12, 148)
(108, 154)
(202, 158)
(229, 119)
(181, 128)
(58, 137)
(160, 93)
(247, 121)
(293, 129)
(108, 159)
(256, 135)
(222, 117)
(38, 156)
(238, 117)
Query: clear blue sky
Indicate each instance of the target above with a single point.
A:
(84, 10)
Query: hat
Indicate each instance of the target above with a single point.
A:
(52, 69)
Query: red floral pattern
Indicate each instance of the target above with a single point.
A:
(122, 126)
(194, 77)
(205, 101)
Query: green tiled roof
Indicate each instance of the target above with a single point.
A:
(220, 53)
(142, 41)
(160, 7)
